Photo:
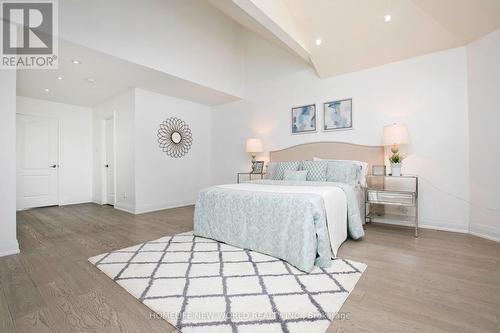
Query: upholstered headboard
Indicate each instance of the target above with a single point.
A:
(373, 155)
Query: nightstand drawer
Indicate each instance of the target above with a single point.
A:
(389, 197)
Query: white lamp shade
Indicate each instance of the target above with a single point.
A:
(254, 145)
(395, 134)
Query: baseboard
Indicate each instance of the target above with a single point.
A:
(9, 250)
(444, 228)
(444, 225)
(425, 225)
(482, 231)
(76, 202)
(124, 207)
(155, 208)
(100, 202)
(485, 232)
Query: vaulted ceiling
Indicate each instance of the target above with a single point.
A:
(354, 34)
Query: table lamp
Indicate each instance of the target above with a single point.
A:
(253, 147)
(393, 136)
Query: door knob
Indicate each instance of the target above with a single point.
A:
(107, 166)
(53, 166)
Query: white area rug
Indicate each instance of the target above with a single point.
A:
(200, 285)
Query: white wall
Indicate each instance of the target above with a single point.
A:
(162, 181)
(428, 93)
(121, 108)
(189, 39)
(146, 178)
(75, 159)
(484, 119)
(8, 239)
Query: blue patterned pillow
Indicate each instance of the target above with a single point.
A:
(279, 170)
(343, 172)
(316, 170)
(270, 168)
(300, 175)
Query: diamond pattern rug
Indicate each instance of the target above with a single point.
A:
(201, 285)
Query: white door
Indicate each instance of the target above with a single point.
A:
(110, 162)
(37, 161)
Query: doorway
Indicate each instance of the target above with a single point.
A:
(109, 161)
(37, 161)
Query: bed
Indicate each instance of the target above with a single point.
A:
(301, 222)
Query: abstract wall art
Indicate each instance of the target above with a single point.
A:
(337, 115)
(304, 119)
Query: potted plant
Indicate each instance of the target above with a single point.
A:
(396, 159)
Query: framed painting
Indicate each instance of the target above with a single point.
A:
(337, 115)
(304, 119)
(257, 167)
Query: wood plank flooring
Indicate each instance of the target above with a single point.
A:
(440, 282)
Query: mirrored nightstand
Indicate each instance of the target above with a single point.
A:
(398, 192)
(242, 177)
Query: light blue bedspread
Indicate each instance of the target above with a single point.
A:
(289, 226)
(354, 222)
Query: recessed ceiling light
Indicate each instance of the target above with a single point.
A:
(46, 90)
(59, 78)
(90, 80)
(319, 41)
(76, 62)
(387, 18)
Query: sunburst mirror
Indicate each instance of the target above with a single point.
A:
(175, 137)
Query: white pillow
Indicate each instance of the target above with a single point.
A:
(364, 168)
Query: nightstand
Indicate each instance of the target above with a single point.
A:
(250, 176)
(398, 192)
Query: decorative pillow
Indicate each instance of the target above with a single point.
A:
(270, 169)
(363, 165)
(299, 175)
(316, 170)
(343, 172)
(279, 171)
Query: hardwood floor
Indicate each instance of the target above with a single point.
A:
(440, 282)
